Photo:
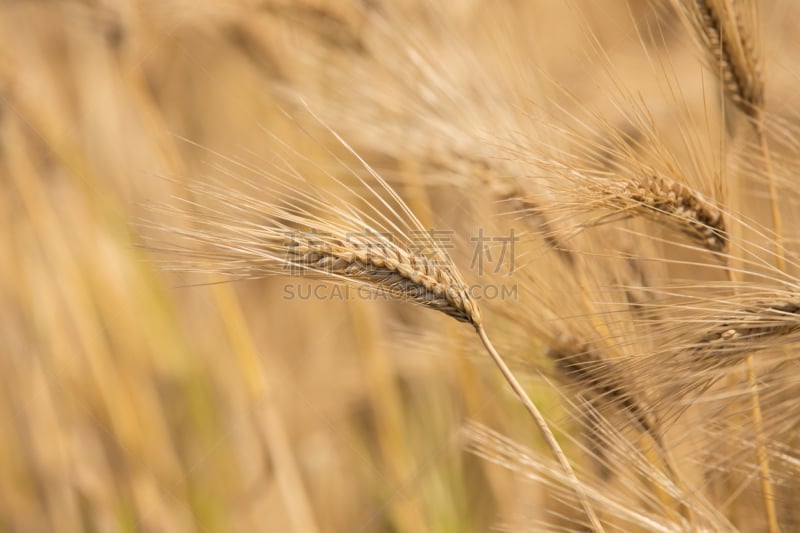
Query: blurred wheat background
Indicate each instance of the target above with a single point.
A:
(135, 399)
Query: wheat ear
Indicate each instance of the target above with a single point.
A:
(247, 237)
(581, 365)
(644, 193)
(388, 267)
(667, 200)
(603, 381)
(733, 338)
(746, 330)
(733, 52)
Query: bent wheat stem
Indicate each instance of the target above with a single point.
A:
(540, 422)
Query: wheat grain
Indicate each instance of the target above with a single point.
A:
(668, 200)
(389, 268)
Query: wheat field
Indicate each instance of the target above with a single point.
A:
(402, 266)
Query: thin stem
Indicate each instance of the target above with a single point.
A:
(780, 261)
(774, 205)
(761, 449)
(767, 491)
(540, 422)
